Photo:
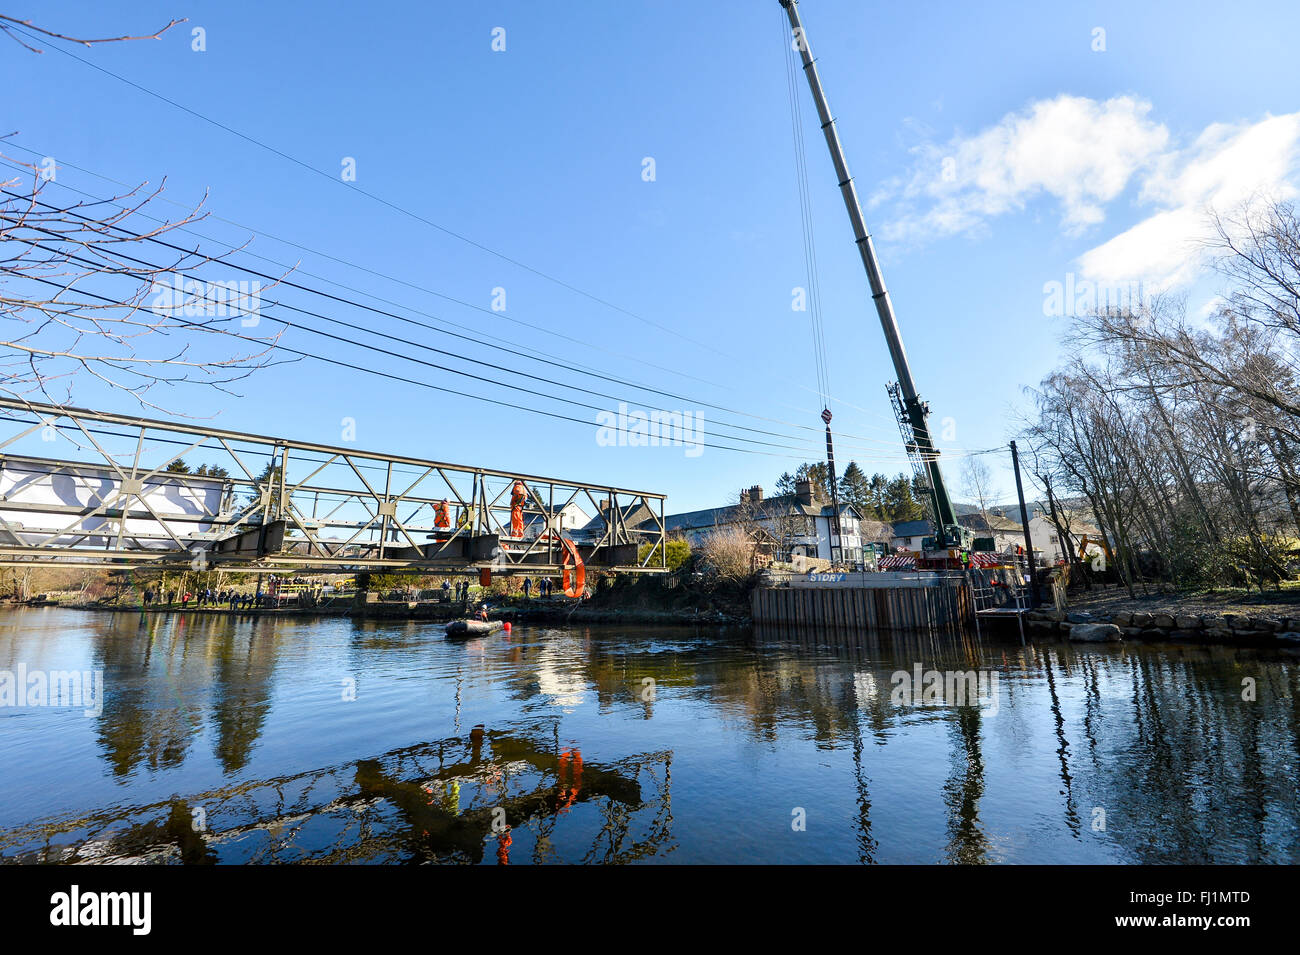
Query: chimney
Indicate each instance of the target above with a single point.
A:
(803, 491)
(744, 497)
(756, 493)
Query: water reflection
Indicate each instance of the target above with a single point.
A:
(229, 740)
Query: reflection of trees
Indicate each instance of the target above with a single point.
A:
(243, 666)
(967, 842)
(159, 671)
(147, 718)
(1191, 772)
(1063, 744)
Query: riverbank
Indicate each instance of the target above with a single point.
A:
(535, 611)
(341, 611)
(1167, 626)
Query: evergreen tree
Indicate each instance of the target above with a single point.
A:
(815, 471)
(855, 489)
(878, 492)
(900, 503)
(178, 467)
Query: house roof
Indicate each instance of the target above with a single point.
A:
(780, 505)
(631, 515)
(912, 528)
(994, 523)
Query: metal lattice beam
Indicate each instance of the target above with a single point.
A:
(91, 489)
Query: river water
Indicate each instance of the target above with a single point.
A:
(252, 739)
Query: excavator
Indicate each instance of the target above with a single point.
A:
(949, 546)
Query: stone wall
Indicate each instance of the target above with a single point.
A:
(1164, 627)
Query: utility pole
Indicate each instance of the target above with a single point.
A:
(833, 528)
(1024, 520)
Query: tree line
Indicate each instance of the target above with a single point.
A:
(1180, 432)
(876, 498)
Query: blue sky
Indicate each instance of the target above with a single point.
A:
(996, 148)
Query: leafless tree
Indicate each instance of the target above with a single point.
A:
(103, 289)
(1181, 432)
(976, 482)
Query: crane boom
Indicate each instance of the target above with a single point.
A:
(916, 411)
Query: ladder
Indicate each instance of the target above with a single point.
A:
(1005, 598)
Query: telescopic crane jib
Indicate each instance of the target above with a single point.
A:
(913, 412)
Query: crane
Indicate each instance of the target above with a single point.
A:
(912, 413)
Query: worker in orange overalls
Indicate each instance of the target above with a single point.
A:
(441, 515)
(517, 498)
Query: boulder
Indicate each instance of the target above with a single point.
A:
(1164, 621)
(1219, 635)
(1188, 622)
(1265, 623)
(1122, 619)
(1134, 633)
(1186, 636)
(1141, 620)
(1235, 621)
(1095, 633)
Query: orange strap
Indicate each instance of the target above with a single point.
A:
(577, 583)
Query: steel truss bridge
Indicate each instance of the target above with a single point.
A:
(100, 495)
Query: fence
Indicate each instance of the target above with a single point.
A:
(941, 604)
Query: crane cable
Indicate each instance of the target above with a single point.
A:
(806, 216)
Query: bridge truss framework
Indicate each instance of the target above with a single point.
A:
(105, 498)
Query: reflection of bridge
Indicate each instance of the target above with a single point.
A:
(279, 504)
(445, 801)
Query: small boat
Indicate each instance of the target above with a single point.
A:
(465, 629)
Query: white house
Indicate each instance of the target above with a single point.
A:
(791, 525)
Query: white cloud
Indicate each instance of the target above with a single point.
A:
(1083, 154)
(1226, 167)
(1078, 151)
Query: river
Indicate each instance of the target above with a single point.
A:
(261, 739)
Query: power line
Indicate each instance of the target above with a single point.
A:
(344, 262)
(384, 202)
(819, 333)
(155, 268)
(541, 359)
(411, 381)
